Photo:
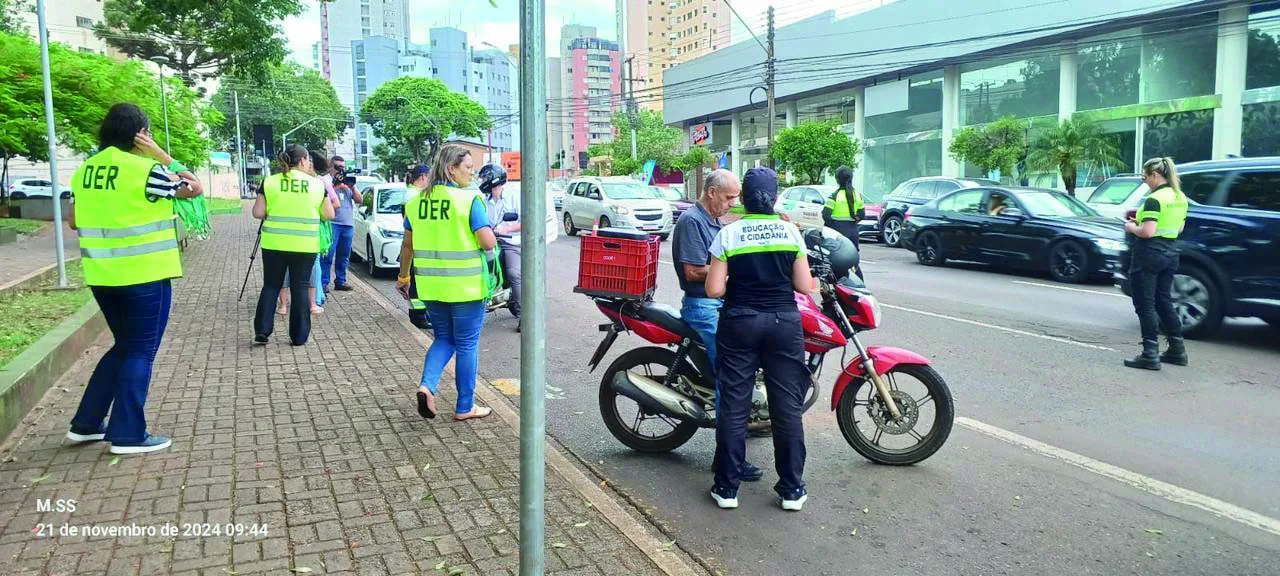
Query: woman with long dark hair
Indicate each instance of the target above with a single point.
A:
(129, 253)
(446, 229)
(845, 209)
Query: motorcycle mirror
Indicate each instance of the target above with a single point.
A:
(510, 217)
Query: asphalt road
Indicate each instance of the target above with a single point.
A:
(1062, 461)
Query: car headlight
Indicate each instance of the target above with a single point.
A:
(620, 210)
(388, 233)
(1109, 244)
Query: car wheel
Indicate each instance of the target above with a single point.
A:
(1068, 262)
(369, 258)
(891, 232)
(929, 249)
(569, 230)
(18, 195)
(1197, 302)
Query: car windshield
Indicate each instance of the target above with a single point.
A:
(1054, 205)
(1115, 191)
(627, 191)
(666, 193)
(391, 201)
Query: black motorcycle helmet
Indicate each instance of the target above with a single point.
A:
(834, 247)
(491, 175)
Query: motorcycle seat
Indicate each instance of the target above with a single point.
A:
(668, 318)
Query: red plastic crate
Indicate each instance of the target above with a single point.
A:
(618, 267)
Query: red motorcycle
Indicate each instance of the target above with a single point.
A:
(654, 398)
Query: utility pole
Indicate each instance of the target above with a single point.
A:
(244, 186)
(631, 106)
(42, 29)
(768, 80)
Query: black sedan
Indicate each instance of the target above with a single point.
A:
(1029, 228)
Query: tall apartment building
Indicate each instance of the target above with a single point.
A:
(71, 23)
(351, 21)
(583, 86)
(379, 60)
(492, 72)
(664, 33)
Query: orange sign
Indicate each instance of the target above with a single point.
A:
(511, 163)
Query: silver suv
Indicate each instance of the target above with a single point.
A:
(617, 202)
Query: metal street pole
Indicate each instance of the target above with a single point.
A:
(42, 28)
(631, 107)
(164, 98)
(768, 80)
(239, 147)
(533, 237)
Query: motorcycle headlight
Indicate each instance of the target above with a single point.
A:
(620, 210)
(1108, 244)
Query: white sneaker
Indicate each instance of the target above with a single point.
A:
(795, 504)
(72, 436)
(725, 502)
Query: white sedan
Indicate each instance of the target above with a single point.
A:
(379, 225)
(35, 188)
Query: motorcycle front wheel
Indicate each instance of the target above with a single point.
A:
(626, 420)
(921, 395)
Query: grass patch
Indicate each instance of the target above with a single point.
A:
(223, 205)
(23, 225)
(27, 315)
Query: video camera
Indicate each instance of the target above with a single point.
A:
(347, 177)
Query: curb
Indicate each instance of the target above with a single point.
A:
(640, 536)
(34, 277)
(26, 378)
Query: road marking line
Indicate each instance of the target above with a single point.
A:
(866, 262)
(1147, 484)
(1001, 328)
(664, 262)
(1069, 289)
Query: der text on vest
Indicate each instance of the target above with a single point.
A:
(100, 177)
(291, 185)
(433, 209)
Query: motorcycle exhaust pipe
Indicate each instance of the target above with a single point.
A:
(654, 397)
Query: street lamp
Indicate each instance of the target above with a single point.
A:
(163, 61)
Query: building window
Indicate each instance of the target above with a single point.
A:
(83, 22)
(1263, 68)
(838, 107)
(1185, 136)
(1022, 88)
(923, 113)
(1261, 135)
(1159, 64)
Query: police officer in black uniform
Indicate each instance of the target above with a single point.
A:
(757, 264)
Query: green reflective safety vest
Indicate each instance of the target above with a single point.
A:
(448, 265)
(293, 212)
(125, 238)
(1172, 215)
(838, 202)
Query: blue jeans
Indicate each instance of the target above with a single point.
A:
(137, 316)
(457, 331)
(703, 315)
(338, 257)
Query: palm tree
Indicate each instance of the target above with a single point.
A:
(1073, 143)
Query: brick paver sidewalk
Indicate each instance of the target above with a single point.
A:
(319, 447)
(29, 254)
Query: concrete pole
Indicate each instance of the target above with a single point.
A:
(240, 172)
(533, 348)
(42, 28)
(1233, 50)
(164, 103)
(859, 132)
(735, 143)
(792, 110)
(950, 119)
(1067, 73)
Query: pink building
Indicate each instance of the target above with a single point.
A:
(595, 91)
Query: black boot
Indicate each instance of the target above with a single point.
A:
(1149, 359)
(1176, 354)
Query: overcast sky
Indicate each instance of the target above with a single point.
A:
(500, 26)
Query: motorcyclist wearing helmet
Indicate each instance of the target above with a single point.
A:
(492, 179)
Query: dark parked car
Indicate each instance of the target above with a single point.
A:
(1230, 265)
(1029, 228)
(915, 192)
(675, 197)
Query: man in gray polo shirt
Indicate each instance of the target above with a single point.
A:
(335, 261)
(691, 254)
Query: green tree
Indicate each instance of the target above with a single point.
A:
(654, 141)
(393, 163)
(813, 148)
(289, 97)
(1073, 143)
(198, 36)
(1000, 145)
(697, 159)
(416, 114)
(85, 86)
(11, 15)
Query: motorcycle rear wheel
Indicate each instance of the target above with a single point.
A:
(849, 407)
(643, 361)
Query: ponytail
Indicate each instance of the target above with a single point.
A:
(1165, 167)
(292, 157)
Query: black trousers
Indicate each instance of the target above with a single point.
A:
(274, 265)
(747, 340)
(849, 230)
(1150, 280)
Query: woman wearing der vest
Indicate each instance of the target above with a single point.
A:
(844, 209)
(319, 166)
(757, 264)
(291, 204)
(445, 231)
(1153, 261)
(129, 253)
